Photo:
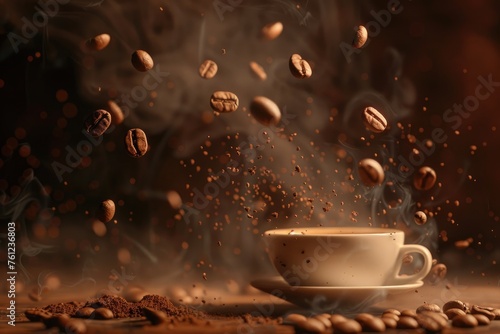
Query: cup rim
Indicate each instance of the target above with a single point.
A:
(336, 231)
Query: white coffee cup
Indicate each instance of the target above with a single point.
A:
(343, 256)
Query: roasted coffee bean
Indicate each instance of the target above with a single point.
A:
(299, 67)
(428, 307)
(98, 122)
(265, 111)
(496, 312)
(465, 321)
(337, 318)
(369, 323)
(439, 317)
(208, 69)
(106, 211)
(370, 172)
(424, 178)
(311, 325)
(393, 311)
(224, 102)
(136, 142)
(429, 323)
(437, 273)
(389, 322)
(272, 30)
(102, 313)
(453, 312)
(142, 61)
(374, 120)
(391, 316)
(325, 319)
(56, 320)
(455, 304)
(37, 314)
(84, 312)
(116, 112)
(360, 37)
(420, 218)
(482, 320)
(406, 322)
(408, 313)
(293, 318)
(258, 71)
(363, 317)
(134, 294)
(98, 42)
(347, 327)
(154, 316)
(73, 326)
(475, 309)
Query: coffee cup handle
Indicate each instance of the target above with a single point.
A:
(426, 267)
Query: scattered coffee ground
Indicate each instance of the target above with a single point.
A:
(69, 308)
(124, 309)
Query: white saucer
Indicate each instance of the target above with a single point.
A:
(324, 298)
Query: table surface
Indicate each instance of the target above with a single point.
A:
(481, 292)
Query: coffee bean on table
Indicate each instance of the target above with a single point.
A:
(476, 309)
(424, 178)
(374, 120)
(455, 304)
(265, 111)
(408, 313)
(73, 326)
(106, 211)
(370, 172)
(390, 316)
(102, 313)
(390, 322)
(369, 323)
(294, 317)
(482, 320)
(420, 218)
(325, 319)
(464, 321)
(37, 314)
(496, 312)
(224, 102)
(299, 67)
(142, 61)
(116, 112)
(136, 142)
(258, 70)
(98, 42)
(453, 312)
(428, 307)
(84, 312)
(393, 311)
(429, 323)
(337, 318)
(360, 37)
(347, 327)
(208, 69)
(272, 30)
(406, 322)
(56, 320)
(311, 325)
(155, 316)
(98, 122)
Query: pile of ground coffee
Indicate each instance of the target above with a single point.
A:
(124, 309)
